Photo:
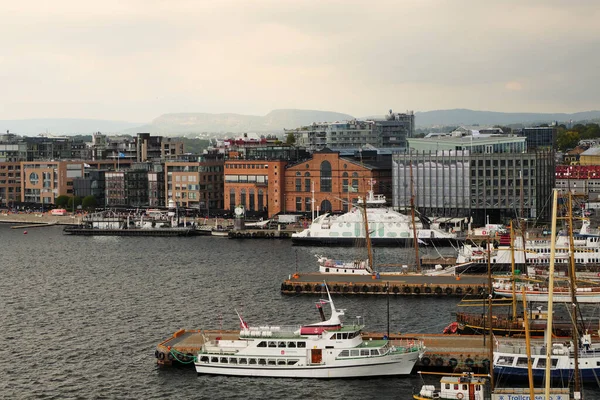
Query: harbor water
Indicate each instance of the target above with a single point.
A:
(81, 316)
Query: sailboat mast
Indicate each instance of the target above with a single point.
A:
(514, 278)
(367, 236)
(574, 311)
(528, 346)
(489, 316)
(412, 213)
(550, 294)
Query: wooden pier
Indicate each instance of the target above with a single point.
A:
(397, 284)
(443, 352)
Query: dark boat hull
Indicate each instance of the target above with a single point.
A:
(379, 242)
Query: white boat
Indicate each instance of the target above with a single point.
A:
(326, 349)
(510, 360)
(469, 386)
(534, 257)
(539, 293)
(386, 227)
(355, 267)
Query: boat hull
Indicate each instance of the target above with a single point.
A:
(563, 374)
(360, 242)
(400, 365)
(163, 232)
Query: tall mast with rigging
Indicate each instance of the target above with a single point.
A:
(572, 286)
(414, 226)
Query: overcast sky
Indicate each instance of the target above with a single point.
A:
(134, 60)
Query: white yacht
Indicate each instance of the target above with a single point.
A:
(326, 349)
(386, 227)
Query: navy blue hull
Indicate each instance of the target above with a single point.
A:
(564, 375)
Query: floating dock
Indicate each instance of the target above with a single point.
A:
(443, 352)
(39, 225)
(162, 232)
(399, 284)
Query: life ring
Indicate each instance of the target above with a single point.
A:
(427, 289)
(396, 290)
(356, 289)
(448, 290)
(345, 289)
(161, 355)
(307, 288)
(425, 361)
(453, 362)
(438, 290)
(469, 362)
(439, 362)
(365, 289)
(459, 396)
(318, 287)
(417, 290)
(376, 289)
(407, 289)
(459, 290)
(484, 233)
(298, 289)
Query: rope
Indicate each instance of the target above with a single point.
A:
(176, 354)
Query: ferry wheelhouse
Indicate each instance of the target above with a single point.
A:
(326, 349)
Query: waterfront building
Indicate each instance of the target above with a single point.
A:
(571, 157)
(43, 181)
(10, 183)
(196, 184)
(334, 180)
(590, 157)
(152, 148)
(487, 177)
(91, 184)
(581, 181)
(389, 132)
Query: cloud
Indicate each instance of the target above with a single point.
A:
(137, 59)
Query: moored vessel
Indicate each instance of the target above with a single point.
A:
(326, 349)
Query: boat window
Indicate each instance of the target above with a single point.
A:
(292, 344)
(281, 362)
(262, 361)
(522, 361)
(477, 388)
(281, 344)
(252, 361)
(214, 359)
(344, 353)
(262, 344)
(272, 344)
(271, 362)
(301, 345)
(204, 359)
(465, 387)
(364, 352)
(447, 386)
(374, 352)
(292, 362)
(345, 335)
(233, 360)
(456, 386)
(243, 361)
(354, 353)
(506, 361)
(224, 360)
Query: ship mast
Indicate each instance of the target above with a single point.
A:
(550, 294)
(414, 226)
(366, 222)
(572, 286)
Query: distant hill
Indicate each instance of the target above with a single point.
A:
(63, 126)
(470, 117)
(273, 122)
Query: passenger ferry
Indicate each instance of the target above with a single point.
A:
(326, 349)
(387, 227)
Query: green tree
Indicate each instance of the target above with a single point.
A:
(62, 201)
(89, 203)
(567, 140)
(74, 202)
(291, 139)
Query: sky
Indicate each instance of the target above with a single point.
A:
(134, 60)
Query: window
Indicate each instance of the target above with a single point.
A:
(325, 177)
(298, 203)
(298, 185)
(34, 178)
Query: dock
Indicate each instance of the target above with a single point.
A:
(443, 352)
(398, 284)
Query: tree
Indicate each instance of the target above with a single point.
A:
(62, 201)
(74, 202)
(89, 203)
(567, 140)
(291, 139)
